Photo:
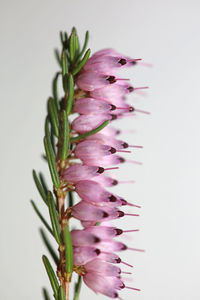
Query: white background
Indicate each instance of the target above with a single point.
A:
(164, 33)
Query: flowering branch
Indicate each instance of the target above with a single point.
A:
(77, 153)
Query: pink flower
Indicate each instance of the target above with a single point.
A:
(104, 99)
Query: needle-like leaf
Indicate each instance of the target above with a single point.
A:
(40, 187)
(54, 218)
(82, 136)
(68, 250)
(82, 62)
(84, 45)
(52, 277)
(61, 293)
(78, 288)
(49, 246)
(45, 294)
(64, 136)
(64, 69)
(57, 56)
(55, 90)
(70, 198)
(53, 113)
(70, 98)
(41, 217)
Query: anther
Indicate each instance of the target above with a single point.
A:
(105, 214)
(96, 239)
(125, 145)
(120, 213)
(124, 247)
(115, 182)
(97, 251)
(121, 159)
(112, 107)
(115, 295)
(113, 117)
(130, 89)
(122, 61)
(112, 150)
(118, 231)
(118, 260)
(112, 198)
(100, 170)
(111, 79)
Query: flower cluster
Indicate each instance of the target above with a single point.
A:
(100, 96)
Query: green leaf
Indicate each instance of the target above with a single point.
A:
(84, 45)
(73, 46)
(68, 250)
(78, 288)
(50, 155)
(54, 218)
(40, 187)
(82, 62)
(55, 90)
(61, 293)
(70, 198)
(49, 246)
(53, 116)
(46, 294)
(52, 277)
(41, 217)
(57, 56)
(65, 136)
(43, 182)
(83, 136)
(64, 69)
(70, 98)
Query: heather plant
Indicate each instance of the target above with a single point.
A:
(81, 147)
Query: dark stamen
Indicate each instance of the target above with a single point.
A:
(118, 231)
(100, 170)
(97, 251)
(118, 260)
(105, 214)
(120, 213)
(96, 239)
(121, 159)
(111, 79)
(112, 107)
(122, 61)
(112, 198)
(125, 145)
(115, 182)
(112, 150)
(130, 89)
(114, 117)
(124, 247)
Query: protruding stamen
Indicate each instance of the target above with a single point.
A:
(135, 146)
(134, 162)
(134, 205)
(134, 215)
(131, 288)
(133, 230)
(130, 108)
(140, 88)
(114, 168)
(126, 264)
(125, 151)
(126, 273)
(142, 111)
(126, 181)
(135, 249)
